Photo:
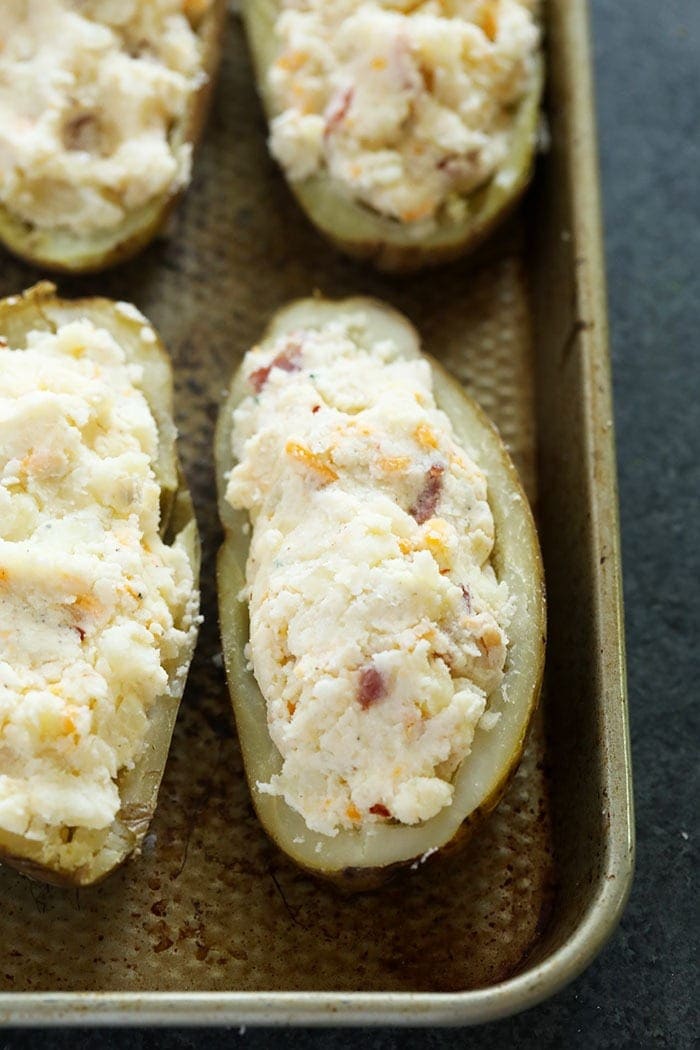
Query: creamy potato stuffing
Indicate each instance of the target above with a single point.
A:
(377, 624)
(409, 105)
(90, 91)
(95, 610)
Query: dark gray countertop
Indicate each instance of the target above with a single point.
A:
(639, 992)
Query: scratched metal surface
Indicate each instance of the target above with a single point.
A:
(211, 905)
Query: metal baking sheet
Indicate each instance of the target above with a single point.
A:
(211, 924)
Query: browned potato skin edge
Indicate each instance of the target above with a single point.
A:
(18, 237)
(358, 879)
(134, 818)
(398, 259)
(386, 253)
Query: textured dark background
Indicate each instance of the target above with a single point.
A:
(642, 989)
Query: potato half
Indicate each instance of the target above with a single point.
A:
(361, 859)
(64, 251)
(364, 233)
(39, 308)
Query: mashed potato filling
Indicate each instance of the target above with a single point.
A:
(377, 624)
(95, 610)
(89, 93)
(408, 104)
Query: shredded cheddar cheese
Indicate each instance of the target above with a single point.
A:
(311, 460)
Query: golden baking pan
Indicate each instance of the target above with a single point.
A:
(211, 924)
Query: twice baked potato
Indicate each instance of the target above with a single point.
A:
(61, 246)
(354, 225)
(122, 641)
(362, 857)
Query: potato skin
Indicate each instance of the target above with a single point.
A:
(362, 233)
(40, 307)
(350, 861)
(61, 251)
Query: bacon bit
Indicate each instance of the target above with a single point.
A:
(467, 598)
(80, 631)
(315, 409)
(379, 810)
(425, 436)
(312, 460)
(338, 110)
(353, 812)
(428, 498)
(372, 687)
(287, 360)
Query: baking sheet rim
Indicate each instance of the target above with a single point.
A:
(604, 911)
(332, 1008)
